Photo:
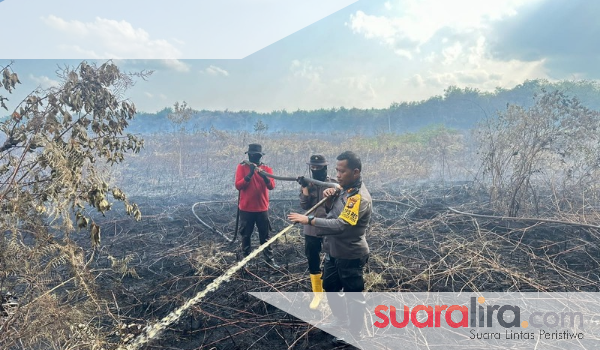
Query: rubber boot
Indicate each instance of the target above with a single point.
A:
(337, 304)
(317, 288)
(357, 307)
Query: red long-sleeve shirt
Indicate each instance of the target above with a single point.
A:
(254, 195)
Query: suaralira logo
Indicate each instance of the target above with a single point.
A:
(478, 315)
(457, 321)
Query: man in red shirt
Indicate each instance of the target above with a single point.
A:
(254, 187)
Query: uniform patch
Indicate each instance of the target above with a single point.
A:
(350, 211)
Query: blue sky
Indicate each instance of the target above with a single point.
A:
(272, 54)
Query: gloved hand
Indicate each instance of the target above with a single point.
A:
(265, 177)
(302, 181)
(251, 173)
(249, 176)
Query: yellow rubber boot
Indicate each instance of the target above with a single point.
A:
(317, 288)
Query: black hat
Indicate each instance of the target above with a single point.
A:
(317, 159)
(254, 148)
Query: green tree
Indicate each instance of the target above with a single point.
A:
(58, 145)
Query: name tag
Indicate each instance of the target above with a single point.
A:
(350, 211)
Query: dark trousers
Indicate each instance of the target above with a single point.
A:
(346, 275)
(312, 249)
(247, 222)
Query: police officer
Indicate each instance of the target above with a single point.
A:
(349, 213)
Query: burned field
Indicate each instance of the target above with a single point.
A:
(418, 243)
(431, 230)
(99, 242)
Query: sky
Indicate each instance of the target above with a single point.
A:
(266, 55)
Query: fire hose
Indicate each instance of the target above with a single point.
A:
(276, 177)
(287, 178)
(226, 236)
(237, 218)
(154, 330)
(214, 230)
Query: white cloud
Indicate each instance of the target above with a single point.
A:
(420, 20)
(383, 28)
(176, 65)
(215, 71)
(74, 27)
(79, 51)
(154, 64)
(452, 53)
(44, 82)
(416, 81)
(356, 91)
(361, 86)
(107, 38)
(178, 41)
(388, 5)
(305, 70)
(446, 41)
(319, 87)
(403, 53)
(483, 73)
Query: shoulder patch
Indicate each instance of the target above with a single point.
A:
(350, 211)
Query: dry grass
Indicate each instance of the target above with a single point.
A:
(143, 271)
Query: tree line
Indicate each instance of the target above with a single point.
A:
(458, 108)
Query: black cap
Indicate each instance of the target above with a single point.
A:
(254, 148)
(317, 159)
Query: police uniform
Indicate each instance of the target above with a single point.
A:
(345, 228)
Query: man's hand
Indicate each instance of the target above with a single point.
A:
(298, 218)
(264, 176)
(252, 167)
(249, 176)
(302, 181)
(330, 191)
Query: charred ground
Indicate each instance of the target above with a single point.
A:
(417, 245)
